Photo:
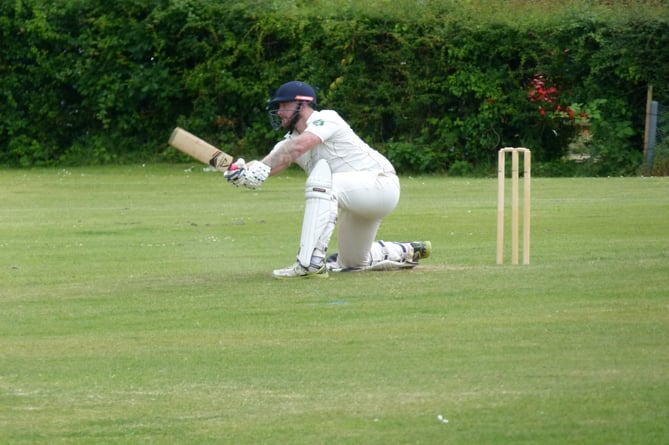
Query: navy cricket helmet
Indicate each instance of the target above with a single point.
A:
(294, 91)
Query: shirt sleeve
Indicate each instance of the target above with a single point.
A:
(324, 126)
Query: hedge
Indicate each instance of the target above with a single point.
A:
(437, 90)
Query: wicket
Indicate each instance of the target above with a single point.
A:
(501, 159)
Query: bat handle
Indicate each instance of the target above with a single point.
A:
(214, 161)
(219, 161)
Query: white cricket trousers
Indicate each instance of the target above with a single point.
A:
(364, 199)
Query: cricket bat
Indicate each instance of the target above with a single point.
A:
(199, 149)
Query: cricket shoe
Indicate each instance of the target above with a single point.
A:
(299, 271)
(332, 265)
(421, 250)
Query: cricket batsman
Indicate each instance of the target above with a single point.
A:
(348, 183)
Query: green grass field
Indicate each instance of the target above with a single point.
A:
(137, 306)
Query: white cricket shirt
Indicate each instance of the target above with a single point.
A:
(340, 146)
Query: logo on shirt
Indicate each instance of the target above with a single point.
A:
(319, 122)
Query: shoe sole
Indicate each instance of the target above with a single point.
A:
(428, 250)
(307, 276)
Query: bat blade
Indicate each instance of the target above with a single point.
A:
(199, 149)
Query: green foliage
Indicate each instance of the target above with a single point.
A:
(105, 82)
(408, 157)
(460, 168)
(660, 166)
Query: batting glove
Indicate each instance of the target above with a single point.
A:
(236, 173)
(256, 173)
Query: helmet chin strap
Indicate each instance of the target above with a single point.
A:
(295, 118)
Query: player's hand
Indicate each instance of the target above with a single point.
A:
(256, 173)
(236, 173)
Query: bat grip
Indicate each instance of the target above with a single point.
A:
(214, 161)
